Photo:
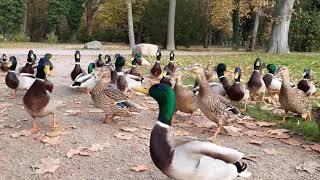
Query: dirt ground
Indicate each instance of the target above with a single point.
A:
(83, 127)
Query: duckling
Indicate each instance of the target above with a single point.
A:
(156, 71)
(188, 158)
(185, 99)
(256, 84)
(77, 70)
(292, 99)
(99, 62)
(37, 100)
(272, 83)
(28, 68)
(238, 92)
(171, 67)
(4, 65)
(112, 101)
(86, 81)
(12, 80)
(306, 84)
(214, 106)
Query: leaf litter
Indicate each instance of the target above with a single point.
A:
(47, 165)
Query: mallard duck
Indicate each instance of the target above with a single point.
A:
(121, 83)
(28, 68)
(256, 84)
(184, 157)
(272, 83)
(12, 80)
(185, 99)
(37, 100)
(238, 92)
(214, 106)
(4, 65)
(77, 70)
(170, 68)
(292, 99)
(86, 81)
(156, 71)
(306, 84)
(107, 60)
(112, 101)
(99, 62)
(166, 79)
(134, 69)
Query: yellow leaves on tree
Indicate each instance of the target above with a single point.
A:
(221, 15)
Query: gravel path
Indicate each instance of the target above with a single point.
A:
(82, 127)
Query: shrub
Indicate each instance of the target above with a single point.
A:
(20, 37)
(52, 38)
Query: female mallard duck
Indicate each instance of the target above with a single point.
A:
(37, 100)
(238, 92)
(306, 85)
(86, 81)
(188, 158)
(28, 68)
(12, 80)
(214, 106)
(170, 68)
(112, 101)
(256, 84)
(156, 71)
(77, 70)
(272, 83)
(4, 65)
(99, 62)
(185, 99)
(292, 99)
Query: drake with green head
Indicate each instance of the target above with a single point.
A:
(4, 65)
(77, 70)
(121, 83)
(186, 158)
(134, 69)
(85, 81)
(238, 92)
(37, 100)
(28, 68)
(156, 71)
(12, 80)
(170, 68)
(306, 84)
(272, 83)
(256, 84)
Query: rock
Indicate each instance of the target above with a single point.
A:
(93, 45)
(145, 49)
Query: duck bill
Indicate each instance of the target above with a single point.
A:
(143, 90)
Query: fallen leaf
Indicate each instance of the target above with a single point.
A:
(80, 150)
(271, 152)
(98, 147)
(292, 142)
(250, 125)
(265, 124)
(129, 129)
(307, 147)
(139, 168)
(143, 136)
(21, 133)
(255, 142)
(47, 165)
(279, 134)
(51, 140)
(124, 136)
(145, 127)
(181, 133)
(72, 112)
(232, 131)
(95, 110)
(309, 166)
(316, 147)
(83, 153)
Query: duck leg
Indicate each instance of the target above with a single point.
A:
(108, 119)
(14, 95)
(54, 123)
(245, 107)
(35, 127)
(213, 138)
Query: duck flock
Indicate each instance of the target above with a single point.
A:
(110, 88)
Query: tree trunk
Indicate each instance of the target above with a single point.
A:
(89, 22)
(25, 18)
(255, 30)
(130, 24)
(171, 19)
(236, 24)
(280, 29)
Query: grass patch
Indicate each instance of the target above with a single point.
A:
(261, 115)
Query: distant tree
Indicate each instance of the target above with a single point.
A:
(130, 24)
(236, 23)
(11, 16)
(75, 12)
(91, 8)
(56, 10)
(171, 23)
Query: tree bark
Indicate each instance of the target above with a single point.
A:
(171, 19)
(255, 29)
(89, 23)
(130, 24)
(236, 24)
(280, 29)
(25, 18)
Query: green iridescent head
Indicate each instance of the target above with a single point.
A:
(91, 68)
(272, 68)
(48, 56)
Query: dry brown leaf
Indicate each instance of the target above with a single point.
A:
(98, 147)
(255, 142)
(292, 142)
(265, 124)
(80, 150)
(124, 136)
(232, 131)
(21, 133)
(54, 133)
(181, 133)
(279, 134)
(143, 136)
(250, 125)
(47, 165)
(309, 166)
(316, 147)
(95, 110)
(271, 152)
(307, 147)
(83, 153)
(51, 140)
(139, 168)
(129, 129)
(73, 112)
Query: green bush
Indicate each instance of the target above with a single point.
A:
(20, 37)
(52, 38)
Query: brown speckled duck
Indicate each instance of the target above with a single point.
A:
(256, 84)
(292, 99)
(28, 68)
(156, 71)
(37, 100)
(185, 99)
(214, 106)
(77, 70)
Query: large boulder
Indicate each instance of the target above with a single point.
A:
(93, 45)
(145, 49)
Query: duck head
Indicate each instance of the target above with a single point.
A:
(100, 57)
(138, 59)
(77, 56)
(48, 57)
(221, 68)
(44, 68)
(307, 73)
(178, 74)
(107, 59)
(271, 68)
(237, 74)
(171, 56)
(257, 64)
(120, 62)
(158, 54)
(91, 67)
(12, 63)
(283, 72)
(196, 70)
(165, 97)
(4, 57)
(31, 57)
